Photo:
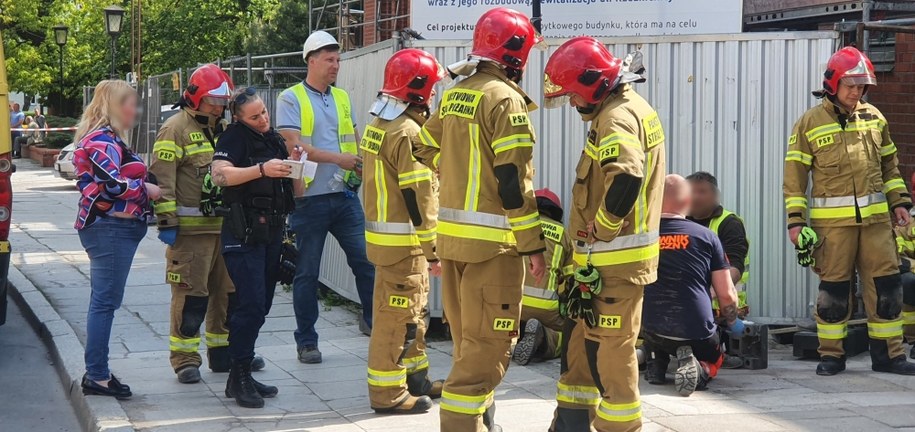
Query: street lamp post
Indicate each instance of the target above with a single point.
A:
(114, 16)
(60, 36)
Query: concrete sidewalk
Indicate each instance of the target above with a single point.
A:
(331, 397)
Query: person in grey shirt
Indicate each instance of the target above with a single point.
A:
(317, 117)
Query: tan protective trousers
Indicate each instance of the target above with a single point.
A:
(552, 330)
(201, 290)
(576, 395)
(871, 249)
(482, 304)
(609, 353)
(397, 350)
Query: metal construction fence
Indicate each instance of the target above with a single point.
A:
(727, 103)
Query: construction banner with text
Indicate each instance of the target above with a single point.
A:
(455, 19)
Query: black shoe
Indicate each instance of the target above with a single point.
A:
(310, 355)
(258, 363)
(241, 386)
(527, 346)
(115, 389)
(188, 375)
(266, 391)
(898, 366)
(688, 375)
(830, 366)
(656, 372)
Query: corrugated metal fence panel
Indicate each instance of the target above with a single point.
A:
(727, 103)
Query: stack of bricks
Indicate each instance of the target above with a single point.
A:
(894, 95)
(382, 9)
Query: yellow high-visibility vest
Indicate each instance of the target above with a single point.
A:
(345, 127)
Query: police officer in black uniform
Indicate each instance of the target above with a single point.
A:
(256, 197)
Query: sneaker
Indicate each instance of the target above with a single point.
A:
(732, 362)
(527, 346)
(687, 376)
(188, 375)
(310, 355)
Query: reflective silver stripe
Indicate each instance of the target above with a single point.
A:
(389, 227)
(475, 218)
(189, 211)
(348, 138)
(540, 293)
(848, 201)
(620, 243)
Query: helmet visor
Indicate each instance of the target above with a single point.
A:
(554, 96)
(859, 80)
(214, 100)
(555, 101)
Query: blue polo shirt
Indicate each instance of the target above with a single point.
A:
(326, 134)
(679, 304)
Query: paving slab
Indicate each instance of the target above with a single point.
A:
(331, 397)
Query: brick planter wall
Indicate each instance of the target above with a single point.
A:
(43, 156)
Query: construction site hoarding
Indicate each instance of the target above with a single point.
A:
(727, 103)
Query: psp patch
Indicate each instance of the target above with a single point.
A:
(503, 324)
(610, 321)
(825, 141)
(197, 136)
(166, 155)
(398, 302)
(519, 119)
(174, 277)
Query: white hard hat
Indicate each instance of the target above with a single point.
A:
(316, 41)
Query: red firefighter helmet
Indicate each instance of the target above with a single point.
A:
(549, 195)
(410, 76)
(581, 66)
(208, 84)
(850, 65)
(505, 36)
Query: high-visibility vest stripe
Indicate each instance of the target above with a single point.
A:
(715, 223)
(381, 191)
(472, 195)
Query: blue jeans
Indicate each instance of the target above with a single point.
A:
(313, 218)
(111, 244)
(254, 270)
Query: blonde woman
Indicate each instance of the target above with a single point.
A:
(113, 209)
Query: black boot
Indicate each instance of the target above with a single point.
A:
(218, 359)
(830, 366)
(241, 385)
(418, 384)
(881, 361)
(266, 391)
(572, 420)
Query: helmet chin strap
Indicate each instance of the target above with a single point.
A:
(586, 110)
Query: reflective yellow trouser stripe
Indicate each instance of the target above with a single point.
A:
(416, 364)
(832, 331)
(884, 330)
(908, 318)
(183, 345)
(620, 413)
(217, 339)
(387, 378)
(470, 405)
(578, 395)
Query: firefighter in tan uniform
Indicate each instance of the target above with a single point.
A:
(844, 144)
(541, 320)
(488, 215)
(614, 224)
(195, 268)
(905, 246)
(401, 210)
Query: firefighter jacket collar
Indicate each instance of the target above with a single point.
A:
(835, 109)
(493, 69)
(202, 118)
(418, 114)
(612, 96)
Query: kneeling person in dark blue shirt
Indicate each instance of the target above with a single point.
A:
(677, 318)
